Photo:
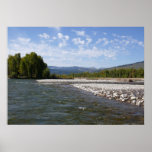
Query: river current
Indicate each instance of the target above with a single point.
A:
(30, 102)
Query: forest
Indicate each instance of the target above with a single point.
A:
(108, 73)
(112, 73)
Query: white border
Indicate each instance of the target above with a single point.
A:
(49, 138)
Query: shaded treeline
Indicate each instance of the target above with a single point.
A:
(29, 66)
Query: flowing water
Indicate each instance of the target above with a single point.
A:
(30, 102)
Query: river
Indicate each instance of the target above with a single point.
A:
(30, 102)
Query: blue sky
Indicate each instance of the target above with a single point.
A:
(79, 46)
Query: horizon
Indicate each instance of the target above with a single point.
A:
(88, 47)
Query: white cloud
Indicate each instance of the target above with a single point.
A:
(63, 38)
(24, 40)
(62, 44)
(108, 48)
(128, 40)
(98, 41)
(79, 33)
(77, 41)
(140, 43)
(60, 35)
(58, 54)
(94, 53)
(103, 40)
(44, 35)
(66, 37)
(106, 42)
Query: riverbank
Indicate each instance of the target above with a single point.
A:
(133, 94)
(117, 89)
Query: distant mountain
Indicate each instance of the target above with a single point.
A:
(76, 69)
(69, 70)
(136, 65)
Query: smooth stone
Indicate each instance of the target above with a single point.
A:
(133, 98)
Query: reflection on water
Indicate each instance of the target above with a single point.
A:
(32, 103)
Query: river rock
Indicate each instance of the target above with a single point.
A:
(138, 102)
(133, 102)
(108, 92)
(124, 96)
(115, 94)
(133, 98)
(124, 99)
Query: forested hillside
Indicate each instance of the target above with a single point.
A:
(136, 65)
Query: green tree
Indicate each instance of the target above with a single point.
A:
(23, 68)
(12, 67)
(29, 66)
(46, 73)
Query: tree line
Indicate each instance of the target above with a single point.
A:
(29, 66)
(109, 73)
(32, 66)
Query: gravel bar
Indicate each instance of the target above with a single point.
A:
(133, 94)
(129, 92)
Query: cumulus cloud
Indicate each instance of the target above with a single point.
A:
(79, 33)
(126, 40)
(44, 35)
(66, 37)
(64, 52)
(63, 39)
(95, 52)
(78, 41)
(60, 35)
(57, 53)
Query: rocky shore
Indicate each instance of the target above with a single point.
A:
(133, 94)
(113, 89)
